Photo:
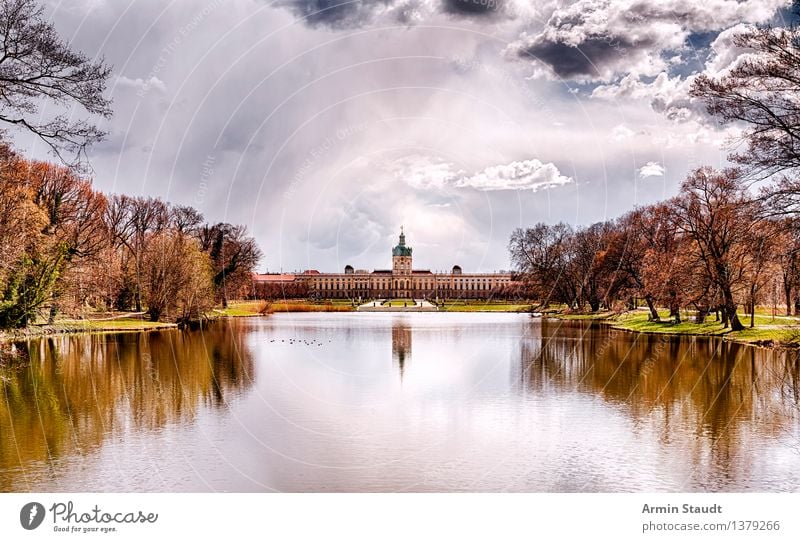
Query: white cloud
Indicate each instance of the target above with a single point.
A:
(425, 173)
(651, 169)
(620, 132)
(670, 95)
(523, 175)
(666, 95)
(725, 54)
(141, 84)
(597, 40)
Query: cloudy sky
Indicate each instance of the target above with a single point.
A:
(324, 125)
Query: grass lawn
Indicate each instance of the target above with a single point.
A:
(587, 316)
(340, 302)
(116, 324)
(475, 306)
(240, 308)
(766, 330)
(123, 323)
(399, 303)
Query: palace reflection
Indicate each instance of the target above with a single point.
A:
(401, 346)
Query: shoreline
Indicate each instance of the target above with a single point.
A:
(636, 321)
(76, 328)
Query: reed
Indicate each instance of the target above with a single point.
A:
(302, 306)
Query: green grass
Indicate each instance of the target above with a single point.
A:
(460, 306)
(83, 326)
(340, 302)
(115, 324)
(240, 308)
(586, 316)
(764, 332)
(768, 320)
(399, 303)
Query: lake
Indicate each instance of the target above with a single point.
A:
(397, 402)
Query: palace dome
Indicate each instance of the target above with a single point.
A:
(401, 249)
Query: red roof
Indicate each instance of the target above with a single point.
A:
(274, 277)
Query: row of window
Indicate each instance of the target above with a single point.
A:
(402, 285)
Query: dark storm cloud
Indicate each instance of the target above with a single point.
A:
(586, 60)
(599, 40)
(335, 13)
(340, 14)
(473, 8)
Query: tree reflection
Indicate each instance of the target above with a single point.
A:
(77, 391)
(711, 396)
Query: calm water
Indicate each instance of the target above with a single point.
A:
(397, 402)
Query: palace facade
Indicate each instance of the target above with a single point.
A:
(401, 281)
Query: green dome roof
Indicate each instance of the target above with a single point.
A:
(401, 249)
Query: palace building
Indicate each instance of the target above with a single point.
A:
(401, 281)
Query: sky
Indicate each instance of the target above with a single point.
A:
(325, 125)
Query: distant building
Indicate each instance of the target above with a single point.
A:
(401, 281)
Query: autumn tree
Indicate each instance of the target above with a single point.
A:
(132, 221)
(715, 211)
(75, 228)
(176, 277)
(24, 281)
(234, 255)
(21, 221)
(787, 259)
(541, 254)
(634, 250)
(590, 267)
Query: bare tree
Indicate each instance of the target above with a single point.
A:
(715, 211)
(233, 255)
(37, 68)
(762, 92)
(176, 277)
(541, 255)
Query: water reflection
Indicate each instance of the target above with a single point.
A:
(717, 398)
(333, 402)
(76, 392)
(401, 346)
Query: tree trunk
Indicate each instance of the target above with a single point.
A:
(51, 318)
(675, 312)
(730, 311)
(700, 317)
(787, 291)
(650, 305)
